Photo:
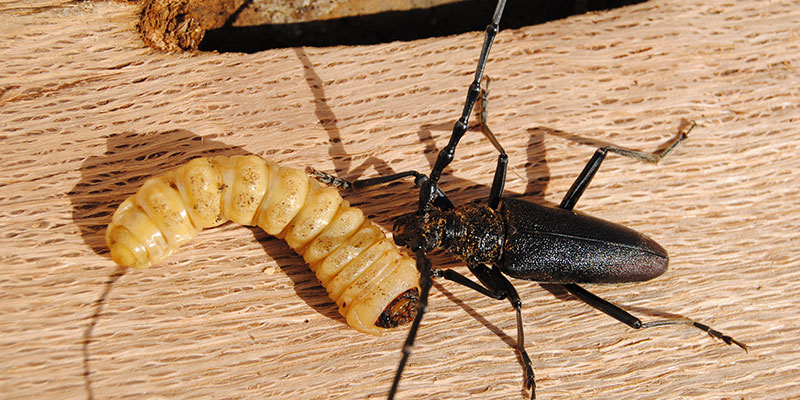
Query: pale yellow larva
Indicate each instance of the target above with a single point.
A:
(373, 283)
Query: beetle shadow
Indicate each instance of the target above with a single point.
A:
(457, 189)
(110, 178)
(342, 160)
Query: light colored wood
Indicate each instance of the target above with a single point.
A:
(87, 112)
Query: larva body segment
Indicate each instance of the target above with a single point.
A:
(372, 282)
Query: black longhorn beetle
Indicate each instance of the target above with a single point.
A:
(523, 239)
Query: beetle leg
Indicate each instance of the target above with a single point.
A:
(628, 319)
(441, 201)
(344, 184)
(499, 181)
(454, 276)
(582, 182)
(655, 158)
(496, 286)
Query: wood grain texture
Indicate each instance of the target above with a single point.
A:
(87, 112)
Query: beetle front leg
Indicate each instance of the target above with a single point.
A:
(441, 200)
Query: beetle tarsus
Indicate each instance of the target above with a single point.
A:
(703, 327)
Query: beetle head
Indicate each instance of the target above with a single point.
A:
(419, 231)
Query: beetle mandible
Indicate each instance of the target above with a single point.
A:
(521, 239)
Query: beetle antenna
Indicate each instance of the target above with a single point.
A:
(425, 283)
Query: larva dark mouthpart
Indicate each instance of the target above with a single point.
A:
(374, 284)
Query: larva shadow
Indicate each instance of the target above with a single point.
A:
(107, 180)
(130, 159)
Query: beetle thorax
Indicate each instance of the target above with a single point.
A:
(472, 232)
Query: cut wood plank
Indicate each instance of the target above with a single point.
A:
(88, 112)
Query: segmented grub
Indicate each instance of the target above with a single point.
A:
(374, 284)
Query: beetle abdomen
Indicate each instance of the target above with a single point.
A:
(550, 244)
(372, 282)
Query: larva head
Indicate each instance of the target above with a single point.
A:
(419, 231)
(400, 311)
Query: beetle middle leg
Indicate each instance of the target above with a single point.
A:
(492, 284)
(572, 197)
(497, 286)
(582, 182)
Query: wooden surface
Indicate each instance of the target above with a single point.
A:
(87, 112)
